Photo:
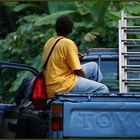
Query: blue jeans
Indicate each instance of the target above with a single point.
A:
(92, 84)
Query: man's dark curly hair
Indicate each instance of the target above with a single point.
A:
(64, 25)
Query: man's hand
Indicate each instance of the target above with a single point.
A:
(80, 73)
(80, 56)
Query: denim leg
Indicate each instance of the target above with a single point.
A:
(90, 85)
(93, 71)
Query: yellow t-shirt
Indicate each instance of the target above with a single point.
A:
(64, 59)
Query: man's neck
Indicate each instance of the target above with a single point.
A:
(66, 36)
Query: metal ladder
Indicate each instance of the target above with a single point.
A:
(129, 54)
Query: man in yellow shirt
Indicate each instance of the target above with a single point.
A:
(64, 73)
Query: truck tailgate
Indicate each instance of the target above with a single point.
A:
(102, 119)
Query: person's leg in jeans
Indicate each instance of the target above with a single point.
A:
(93, 71)
(92, 84)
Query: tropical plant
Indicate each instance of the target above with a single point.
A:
(95, 25)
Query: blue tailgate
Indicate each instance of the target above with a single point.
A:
(102, 117)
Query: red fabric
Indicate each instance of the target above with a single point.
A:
(39, 94)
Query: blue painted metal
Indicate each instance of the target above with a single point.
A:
(103, 53)
(4, 107)
(120, 119)
(7, 106)
(86, 97)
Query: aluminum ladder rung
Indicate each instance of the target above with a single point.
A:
(131, 27)
(133, 32)
(133, 71)
(131, 40)
(137, 83)
(131, 80)
(132, 54)
(131, 17)
(127, 56)
(131, 66)
(133, 85)
(134, 58)
(132, 45)
(136, 42)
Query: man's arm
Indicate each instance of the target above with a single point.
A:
(80, 73)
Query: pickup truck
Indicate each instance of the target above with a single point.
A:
(84, 115)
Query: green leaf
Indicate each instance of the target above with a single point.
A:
(21, 7)
(47, 19)
(98, 11)
(82, 9)
(10, 5)
(79, 24)
(112, 24)
(133, 7)
(30, 18)
(60, 6)
(91, 36)
(113, 16)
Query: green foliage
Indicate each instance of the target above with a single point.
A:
(21, 7)
(54, 7)
(49, 19)
(95, 25)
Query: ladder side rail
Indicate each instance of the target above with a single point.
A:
(120, 58)
(125, 90)
(123, 50)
